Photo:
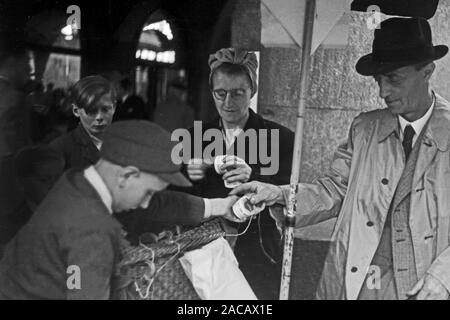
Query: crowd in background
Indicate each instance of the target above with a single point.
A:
(50, 112)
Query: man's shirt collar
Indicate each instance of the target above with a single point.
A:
(417, 125)
(99, 185)
(96, 141)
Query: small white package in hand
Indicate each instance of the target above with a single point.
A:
(219, 161)
(243, 209)
(215, 274)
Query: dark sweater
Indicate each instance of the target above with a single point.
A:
(213, 185)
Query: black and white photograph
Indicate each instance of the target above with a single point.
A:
(233, 151)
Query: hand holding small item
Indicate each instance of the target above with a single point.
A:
(268, 194)
(233, 169)
(243, 209)
(196, 169)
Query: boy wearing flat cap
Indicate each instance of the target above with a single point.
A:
(389, 183)
(74, 227)
(92, 100)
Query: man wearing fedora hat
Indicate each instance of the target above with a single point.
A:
(74, 232)
(389, 183)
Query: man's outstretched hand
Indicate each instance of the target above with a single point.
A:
(261, 192)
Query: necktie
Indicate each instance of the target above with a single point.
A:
(408, 135)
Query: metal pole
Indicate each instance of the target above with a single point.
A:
(296, 158)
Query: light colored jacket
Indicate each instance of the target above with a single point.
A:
(360, 187)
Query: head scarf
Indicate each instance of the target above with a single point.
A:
(235, 56)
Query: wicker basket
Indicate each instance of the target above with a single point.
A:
(153, 272)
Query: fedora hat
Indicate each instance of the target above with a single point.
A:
(400, 42)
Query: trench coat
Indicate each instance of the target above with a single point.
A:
(359, 189)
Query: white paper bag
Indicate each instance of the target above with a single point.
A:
(215, 274)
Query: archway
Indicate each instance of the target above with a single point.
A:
(159, 61)
(56, 49)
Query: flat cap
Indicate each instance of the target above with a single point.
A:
(145, 145)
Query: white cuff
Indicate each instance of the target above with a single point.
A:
(208, 208)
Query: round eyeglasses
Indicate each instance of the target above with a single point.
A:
(221, 94)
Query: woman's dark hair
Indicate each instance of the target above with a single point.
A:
(86, 92)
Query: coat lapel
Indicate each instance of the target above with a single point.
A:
(428, 150)
(77, 179)
(435, 139)
(89, 151)
(405, 182)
